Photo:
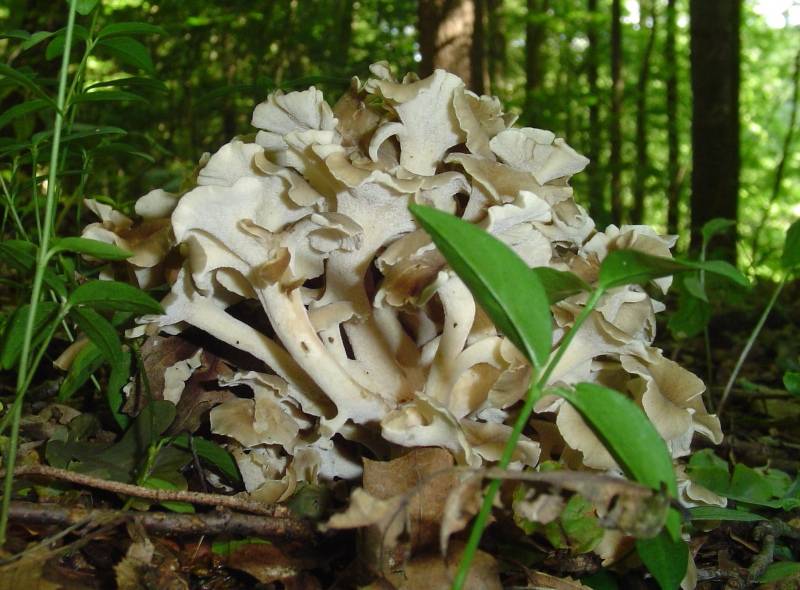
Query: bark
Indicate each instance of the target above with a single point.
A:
(166, 523)
(615, 119)
(535, 32)
(479, 72)
(343, 29)
(715, 116)
(673, 156)
(597, 207)
(446, 38)
(642, 158)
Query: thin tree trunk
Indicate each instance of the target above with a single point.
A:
(597, 207)
(615, 120)
(673, 155)
(642, 158)
(344, 35)
(715, 116)
(534, 39)
(479, 72)
(785, 153)
(496, 51)
(446, 35)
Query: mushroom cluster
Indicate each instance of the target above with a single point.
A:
(366, 340)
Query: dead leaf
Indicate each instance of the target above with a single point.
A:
(462, 504)
(268, 564)
(426, 475)
(386, 516)
(147, 565)
(28, 572)
(432, 572)
(543, 581)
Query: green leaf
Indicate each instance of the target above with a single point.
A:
(695, 288)
(779, 570)
(108, 96)
(89, 247)
(21, 256)
(715, 226)
(500, 281)
(84, 7)
(13, 334)
(24, 80)
(626, 432)
(129, 51)
(130, 28)
(631, 267)
(160, 484)
(577, 528)
(56, 46)
(79, 131)
(214, 454)
(22, 109)
(227, 547)
(602, 580)
(114, 296)
(117, 379)
(691, 317)
(791, 381)
(16, 34)
(726, 514)
(83, 366)
(99, 331)
(559, 284)
(790, 258)
(36, 38)
(132, 82)
(666, 558)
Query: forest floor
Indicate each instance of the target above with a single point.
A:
(53, 544)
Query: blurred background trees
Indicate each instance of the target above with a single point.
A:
(687, 108)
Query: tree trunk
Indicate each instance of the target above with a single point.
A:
(642, 159)
(597, 207)
(343, 35)
(496, 51)
(446, 37)
(615, 119)
(479, 72)
(715, 115)
(534, 39)
(673, 155)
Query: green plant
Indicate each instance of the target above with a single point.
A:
(790, 265)
(56, 300)
(518, 300)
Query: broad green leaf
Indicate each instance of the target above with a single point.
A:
(21, 256)
(666, 558)
(726, 514)
(780, 570)
(14, 331)
(108, 96)
(114, 296)
(500, 281)
(715, 226)
(117, 379)
(791, 381)
(23, 80)
(130, 28)
(577, 528)
(602, 580)
(83, 366)
(79, 131)
(227, 547)
(36, 38)
(89, 247)
(56, 46)
(142, 82)
(559, 284)
(214, 454)
(691, 317)
(99, 331)
(16, 34)
(129, 51)
(790, 259)
(84, 7)
(626, 432)
(631, 267)
(695, 288)
(22, 109)
(160, 484)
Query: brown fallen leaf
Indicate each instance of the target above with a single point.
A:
(462, 504)
(430, 571)
(543, 581)
(268, 564)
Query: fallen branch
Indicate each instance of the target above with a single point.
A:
(232, 502)
(168, 523)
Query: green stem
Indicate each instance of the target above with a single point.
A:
(25, 366)
(12, 209)
(750, 341)
(534, 394)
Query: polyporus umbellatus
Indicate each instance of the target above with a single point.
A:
(373, 339)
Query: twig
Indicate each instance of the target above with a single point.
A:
(232, 502)
(168, 523)
(766, 534)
